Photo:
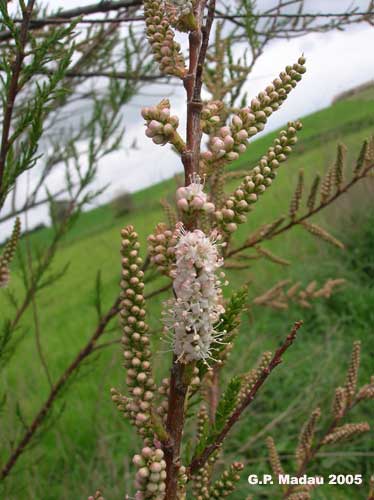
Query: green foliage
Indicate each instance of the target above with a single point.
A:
(231, 318)
(226, 405)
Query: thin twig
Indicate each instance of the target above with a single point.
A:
(201, 459)
(306, 216)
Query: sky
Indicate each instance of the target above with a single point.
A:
(336, 61)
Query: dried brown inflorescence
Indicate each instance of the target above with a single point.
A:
(284, 293)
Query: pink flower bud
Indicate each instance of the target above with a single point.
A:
(207, 155)
(183, 205)
(228, 142)
(164, 113)
(155, 126)
(217, 144)
(197, 203)
(138, 460)
(208, 207)
(165, 51)
(156, 467)
(255, 104)
(168, 129)
(174, 120)
(232, 156)
(145, 113)
(159, 454)
(158, 139)
(147, 452)
(149, 133)
(224, 131)
(237, 121)
(252, 197)
(231, 227)
(242, 135)
(252, 131)
(181, 193)
(159, 259)
(143, 472)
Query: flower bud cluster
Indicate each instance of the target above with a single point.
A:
(212, 116)
(202, 478)
(250, 378)
(151, 474)
(163, 391)
(135, 339)
(232, 140)
(239, 203)
(161, 126)
(192, 197)
(161, 247)
(192, 315)
(227, 484)
(166, 50)
(180, 14)
(8, 254)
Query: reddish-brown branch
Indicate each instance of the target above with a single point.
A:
(13, 87)
(56, 389)
(180, 378)
(181, 374)
(201, 459)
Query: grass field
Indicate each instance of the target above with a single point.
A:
(86, 444)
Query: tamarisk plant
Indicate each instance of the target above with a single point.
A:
(46, 64)
(312, 440)
(199, 325)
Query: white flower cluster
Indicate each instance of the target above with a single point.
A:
(193, 198)
(193, 314)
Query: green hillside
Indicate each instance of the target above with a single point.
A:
(87, 444)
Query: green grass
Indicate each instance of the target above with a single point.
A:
(86, 444)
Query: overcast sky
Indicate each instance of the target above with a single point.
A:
(336, 61)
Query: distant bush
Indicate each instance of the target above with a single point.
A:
(59, 210)
(122, 204)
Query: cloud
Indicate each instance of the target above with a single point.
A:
(336, 61)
